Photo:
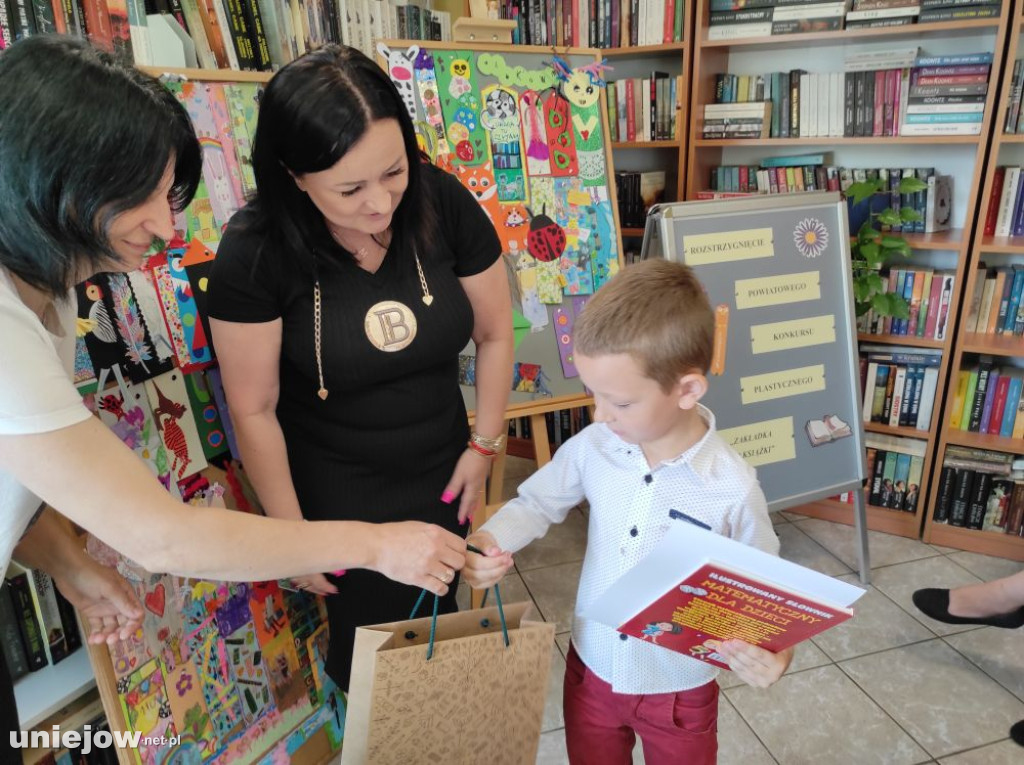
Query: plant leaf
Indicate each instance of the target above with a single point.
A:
(910, 215)
(889, 217)
(909, 185)
(861, 190)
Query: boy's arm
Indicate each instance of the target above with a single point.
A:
(750, 524)
(544, 498)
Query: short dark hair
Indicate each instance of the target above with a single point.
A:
(313, 111)
(82, 139)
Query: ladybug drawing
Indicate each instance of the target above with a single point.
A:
(546, 241)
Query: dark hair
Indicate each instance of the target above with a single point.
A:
(82, 139)
(313, 111)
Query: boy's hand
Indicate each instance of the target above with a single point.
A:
(483, 571)
(754, 665)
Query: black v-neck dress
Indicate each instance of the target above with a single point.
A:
(384, 444)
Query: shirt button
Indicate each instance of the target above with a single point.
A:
(633, 531)
(648, 478)
(623, 637)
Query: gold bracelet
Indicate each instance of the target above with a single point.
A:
(490, 444)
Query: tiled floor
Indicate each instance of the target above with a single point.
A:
(889, 686)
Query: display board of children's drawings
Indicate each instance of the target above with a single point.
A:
(525, 131)
(783, 379)
(219, 672)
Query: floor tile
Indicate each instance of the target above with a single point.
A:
(878, 624)
(899, 583)
(998, 652)
(884, 549)
(778, 518)
(565, 542)
(553, 717)
(946, 703)
(806, 656)
(737, 744)
(943, 550)
(554, 591)
(551, 750)
(819, 717)
(986, 567)
(800, 548)
(562, 641)
(1003, 753)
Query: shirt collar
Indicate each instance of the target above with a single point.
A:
(700, 456)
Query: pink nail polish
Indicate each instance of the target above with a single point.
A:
(447, 497)
(339, 572)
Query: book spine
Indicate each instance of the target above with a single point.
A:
(25, 612)
(10, 638)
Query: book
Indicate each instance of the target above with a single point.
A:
(828, 428)
(697, 588)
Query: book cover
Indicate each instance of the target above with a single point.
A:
(716, 603)
(697, 586)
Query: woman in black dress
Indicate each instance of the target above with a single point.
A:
(340, 300)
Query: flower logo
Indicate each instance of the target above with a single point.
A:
(811, 237)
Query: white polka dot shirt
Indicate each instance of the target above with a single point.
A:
(629, 513)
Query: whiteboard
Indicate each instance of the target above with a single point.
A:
(784, 377)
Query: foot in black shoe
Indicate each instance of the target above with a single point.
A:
(935, 603)
(1017, 732)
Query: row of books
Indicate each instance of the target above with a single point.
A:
(84, 754)
(561, 425)
(928, 295)
(637, 192)
(758, 18)
(38, 627)
(595, 23)
(894, 467)
(1005, 213)
(1013, 122)
(899, 385)
(226, 34)
(997, 303)
(899, 93)
(643, 108)
(981, 489)
(988, 399)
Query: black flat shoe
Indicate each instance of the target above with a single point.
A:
(1017, 732)
(935, 603)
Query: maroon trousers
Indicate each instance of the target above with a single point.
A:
(601, 726)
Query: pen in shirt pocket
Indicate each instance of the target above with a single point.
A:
(679, 515)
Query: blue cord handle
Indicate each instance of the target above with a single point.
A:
(433, 620)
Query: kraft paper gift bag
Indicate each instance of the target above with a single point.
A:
(474, 700)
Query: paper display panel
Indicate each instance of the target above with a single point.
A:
(703, 249)
(761, 443)
(789, 382)
(796, 333)
(778, 290)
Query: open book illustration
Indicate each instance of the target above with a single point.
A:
(828, 428)
(698, 588)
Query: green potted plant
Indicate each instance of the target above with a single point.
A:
(874, 245)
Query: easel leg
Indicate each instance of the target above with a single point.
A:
(860, 525)
(496, 479)
(539, 434)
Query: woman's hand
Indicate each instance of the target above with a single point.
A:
(107, 603)
(315, 584)
(469, 479)
(419, 554)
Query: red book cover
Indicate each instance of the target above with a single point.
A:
(993, 201)
(959, 79)
(630, 111)
(669, 21)
(998, 405)
(716, 603)
(933, 307)
(892, 81)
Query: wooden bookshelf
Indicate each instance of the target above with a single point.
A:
(983, 247)
(209, 75)
(825, 52)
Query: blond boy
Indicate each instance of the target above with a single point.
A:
(642, 347)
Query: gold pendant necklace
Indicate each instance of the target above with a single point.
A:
(427, 299)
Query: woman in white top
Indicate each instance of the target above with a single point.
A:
(95, 157)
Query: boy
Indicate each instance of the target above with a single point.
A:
(642, 347)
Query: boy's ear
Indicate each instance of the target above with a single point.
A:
(691, 388)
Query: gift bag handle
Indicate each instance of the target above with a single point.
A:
(483, 622)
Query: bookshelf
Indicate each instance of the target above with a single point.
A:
(1008, 350)
(961, 157)
(40, 694)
